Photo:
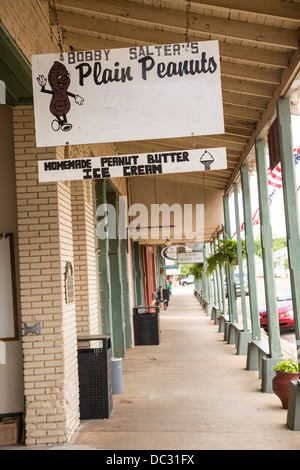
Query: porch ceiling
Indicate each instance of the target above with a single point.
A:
(260, 58)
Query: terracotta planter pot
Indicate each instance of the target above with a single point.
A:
(281, 385)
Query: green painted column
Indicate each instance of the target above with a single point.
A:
(104, 267)
(240, 257)
(218, 283)
(267, 250)
(138, 274)
(134, 274)
(222, 279)
(208, 278)
(290, 198)
(215, 280)
(123, 259)
(117, 305)
(203, 277)
(250, 251)
(229, 275)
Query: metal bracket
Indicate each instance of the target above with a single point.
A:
(32, 329)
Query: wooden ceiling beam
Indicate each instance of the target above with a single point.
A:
(146, 15)
(242, 99)
(287, 79)
(242, 112)
(240, 85)
(273, 8)
(264, 57)
(250, 73)
(238, 131)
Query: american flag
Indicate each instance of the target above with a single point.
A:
(275, 183)
(274, 177)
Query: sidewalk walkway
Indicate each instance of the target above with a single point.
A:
(192, 392)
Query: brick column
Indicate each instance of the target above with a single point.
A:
(45, 245)
(85, 267)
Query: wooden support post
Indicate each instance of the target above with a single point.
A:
(214, 280)
(267, 250)
(229, 275)
(104, 269)
(240, 257)
(250, 251)
(224, 304)
(218, 284)
(290, 198)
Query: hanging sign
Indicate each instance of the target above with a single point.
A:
(170, 252)
(138, 93)
(132, 165)
(193, 257)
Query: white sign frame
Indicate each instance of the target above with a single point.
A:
(143, 164)
(190, 257)
(136, 93)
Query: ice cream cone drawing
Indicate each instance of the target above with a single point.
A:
(206, 159)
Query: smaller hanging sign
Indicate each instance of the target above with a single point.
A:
(170, 252)
(133, 165)
(190, 257)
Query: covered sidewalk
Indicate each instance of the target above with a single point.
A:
(192, 392)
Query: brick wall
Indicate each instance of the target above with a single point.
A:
(85, 269)
(55, 225)
(45, 245)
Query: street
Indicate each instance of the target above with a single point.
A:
(288, 340)
(287, 337)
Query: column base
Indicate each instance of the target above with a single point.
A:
(208, 309)
(293, 414)
(268, 373)
(243, 338)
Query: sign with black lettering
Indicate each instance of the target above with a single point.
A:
(132, 165)
(190, 257)
(138, 93)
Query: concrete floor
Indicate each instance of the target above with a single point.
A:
(192, 392)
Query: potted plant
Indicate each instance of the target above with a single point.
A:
(197, 269)
(286, 371)
(226, 253)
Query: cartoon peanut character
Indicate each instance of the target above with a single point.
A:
(59, 81)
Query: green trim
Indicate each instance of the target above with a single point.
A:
(15, 72)
(267, 249)
(229, 275)
(250, 251)
(290, 197)
(11, 415)
(240, 257)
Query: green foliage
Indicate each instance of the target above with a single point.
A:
(278, 243)
(226, 253)
(290, 365)
(197, 269)
(286, 264)
(185, 269)
(257, 247)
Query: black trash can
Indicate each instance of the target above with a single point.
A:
(95, 379)
(146, 325)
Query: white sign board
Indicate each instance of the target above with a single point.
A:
(192, 257)
(134, 93)
(132, 165)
